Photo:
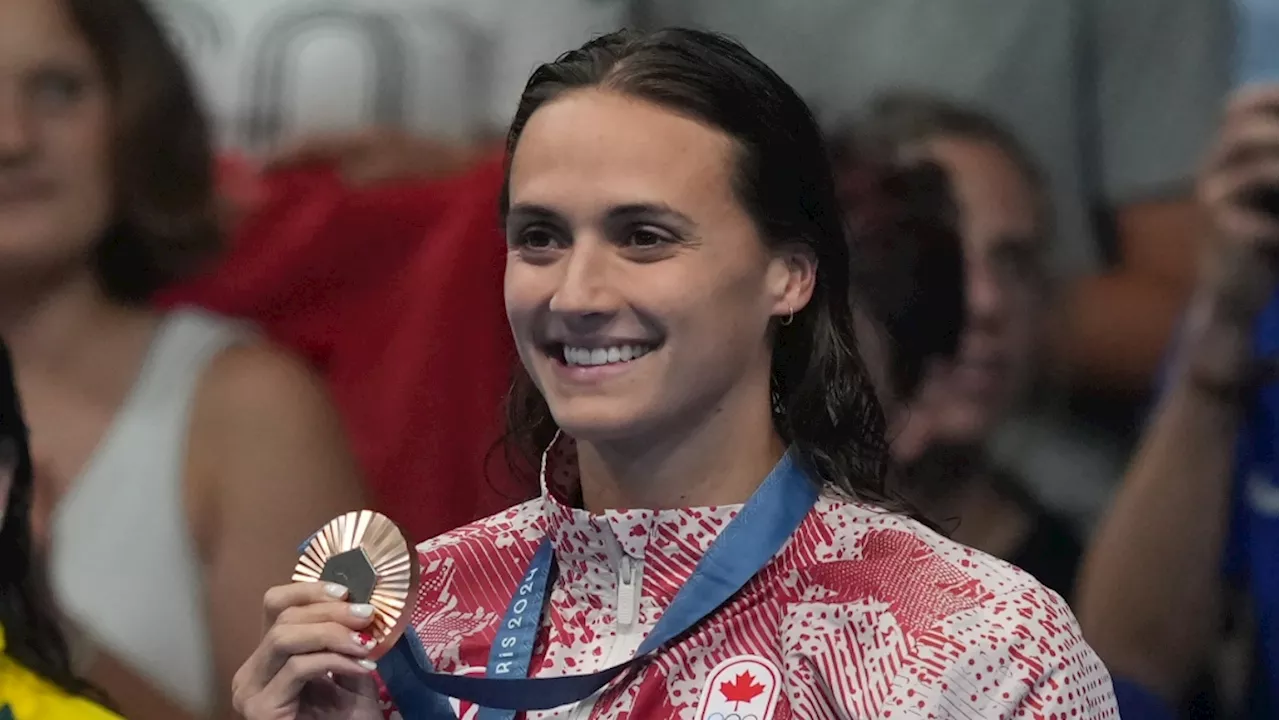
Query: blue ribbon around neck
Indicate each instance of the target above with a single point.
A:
(748, 543)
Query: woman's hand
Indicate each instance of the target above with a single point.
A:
(311, 663)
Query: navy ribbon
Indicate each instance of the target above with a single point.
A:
(746, 546)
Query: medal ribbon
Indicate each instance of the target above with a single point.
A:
(747, 544)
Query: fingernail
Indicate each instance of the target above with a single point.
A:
(362, 610)
(367, 665)
(334, 590)
(364, 640)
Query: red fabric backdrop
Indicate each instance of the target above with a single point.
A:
(394, 293)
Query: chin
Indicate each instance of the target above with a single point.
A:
(598, 420)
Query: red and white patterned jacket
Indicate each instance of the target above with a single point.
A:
(863, 614)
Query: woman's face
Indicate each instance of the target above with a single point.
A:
(965, 398)
(55, 135)
(638, 289)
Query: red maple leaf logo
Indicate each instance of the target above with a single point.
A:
(744, 688)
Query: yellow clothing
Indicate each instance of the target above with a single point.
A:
(27, 696)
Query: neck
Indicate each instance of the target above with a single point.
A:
(70, 331)
(721, 461)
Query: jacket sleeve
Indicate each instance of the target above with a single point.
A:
(1018, 655)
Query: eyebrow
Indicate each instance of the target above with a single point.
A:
(629, 211)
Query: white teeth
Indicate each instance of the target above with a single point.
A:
(603, 356)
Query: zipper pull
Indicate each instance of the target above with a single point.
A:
(628, 598)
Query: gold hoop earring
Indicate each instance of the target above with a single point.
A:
(791, 315)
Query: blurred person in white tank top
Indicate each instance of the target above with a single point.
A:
(178, 459)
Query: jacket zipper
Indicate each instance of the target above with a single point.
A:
(628, 613)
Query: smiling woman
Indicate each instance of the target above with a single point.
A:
(715, 537)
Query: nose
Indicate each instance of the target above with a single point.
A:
(584, 296)
(985, 295)
(17, 137)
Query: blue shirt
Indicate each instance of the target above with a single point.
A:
(1252, 548)
(1252, 553)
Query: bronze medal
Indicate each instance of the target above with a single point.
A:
(366, 552)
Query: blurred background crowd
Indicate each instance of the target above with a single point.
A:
(1072, 322)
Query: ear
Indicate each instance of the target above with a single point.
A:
(791, 278)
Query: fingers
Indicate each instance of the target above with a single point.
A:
(284, 642)
(284, 688)
(282, 597)
(1244, 141)
(1241, 172)
(1230, 192)
(301, 669)
(306, 620)
(1256, 99)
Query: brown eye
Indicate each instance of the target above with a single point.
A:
(537, 238)
(56, 89)
(648, 237)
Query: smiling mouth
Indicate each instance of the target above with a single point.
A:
(576, 356)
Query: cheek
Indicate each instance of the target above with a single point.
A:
(520, 295)
(1026, 322)
(724, 321)
(86, 164)
(78, 153)
(523, 295)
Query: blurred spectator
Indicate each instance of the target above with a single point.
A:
(385, 87)
(1184, 527)
(1115, 97)
(178, 460)
(1000, 211)
(949, 263)
(36, 679)
(1003, 394)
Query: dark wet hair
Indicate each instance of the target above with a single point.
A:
(165, 217)
(824, 402)
(31, 632)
